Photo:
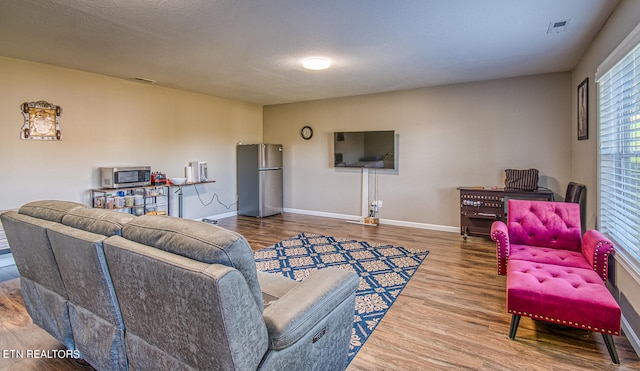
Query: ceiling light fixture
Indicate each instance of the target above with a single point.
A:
(316, 63)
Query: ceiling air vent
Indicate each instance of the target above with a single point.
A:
(557, 27)
(144, 79)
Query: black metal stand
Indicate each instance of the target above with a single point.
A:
(179, 192)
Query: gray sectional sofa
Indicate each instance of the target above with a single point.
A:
(157, 292)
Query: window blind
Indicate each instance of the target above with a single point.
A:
(620, 51)
(619, 155)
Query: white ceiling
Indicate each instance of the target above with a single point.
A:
(251, 50)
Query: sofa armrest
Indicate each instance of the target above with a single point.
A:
(299, 310)
(500, 235)
(596, 248)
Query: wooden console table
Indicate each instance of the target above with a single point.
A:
(481, 206)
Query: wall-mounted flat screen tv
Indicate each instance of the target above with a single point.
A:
(370, 149)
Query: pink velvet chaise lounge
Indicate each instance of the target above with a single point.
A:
(555, 274)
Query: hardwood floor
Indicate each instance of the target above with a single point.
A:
(451, 315)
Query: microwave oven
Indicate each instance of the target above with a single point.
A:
(122, 177)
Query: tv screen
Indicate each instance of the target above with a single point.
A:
(370, 149)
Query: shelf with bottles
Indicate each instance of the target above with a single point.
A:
(149, 200)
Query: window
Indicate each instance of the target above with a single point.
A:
(619, 156)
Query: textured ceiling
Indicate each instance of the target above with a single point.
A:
(251, 50)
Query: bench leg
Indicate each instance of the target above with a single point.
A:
(515, 321)
(611, 347)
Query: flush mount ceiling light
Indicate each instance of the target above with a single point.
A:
(316, 63)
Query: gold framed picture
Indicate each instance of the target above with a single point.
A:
(41, 121)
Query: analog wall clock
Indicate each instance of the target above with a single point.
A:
(306, 132)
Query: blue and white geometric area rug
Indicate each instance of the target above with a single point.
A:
(384, 271)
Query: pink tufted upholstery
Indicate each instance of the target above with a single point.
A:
(552, 293)
(549, 255)
(545, 224)
(553, 273)
(549, 232)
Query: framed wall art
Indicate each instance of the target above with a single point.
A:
(583, 110)
(41, 121)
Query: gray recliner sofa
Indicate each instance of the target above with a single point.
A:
(185, 295)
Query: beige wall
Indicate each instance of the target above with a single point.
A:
(584, 167)
(106, 122)
(449, 136)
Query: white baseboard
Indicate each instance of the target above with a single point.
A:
(219, 216)
(631, 335)
(322, 214)
(433, 227)
(399, 223)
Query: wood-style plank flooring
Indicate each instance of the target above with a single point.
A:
(451, 315)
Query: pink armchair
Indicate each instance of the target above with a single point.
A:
(549, 232)
(553, 273)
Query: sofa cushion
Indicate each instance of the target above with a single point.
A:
(84, 270)
(94, 312)
(548, 255)
(199, 241)
(101, 221)
(52, 210)
(27, 237)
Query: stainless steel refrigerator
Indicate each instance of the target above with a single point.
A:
(259, 179)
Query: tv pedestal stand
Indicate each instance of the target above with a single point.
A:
(365, 219)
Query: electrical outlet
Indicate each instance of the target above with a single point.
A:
(377, 203)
